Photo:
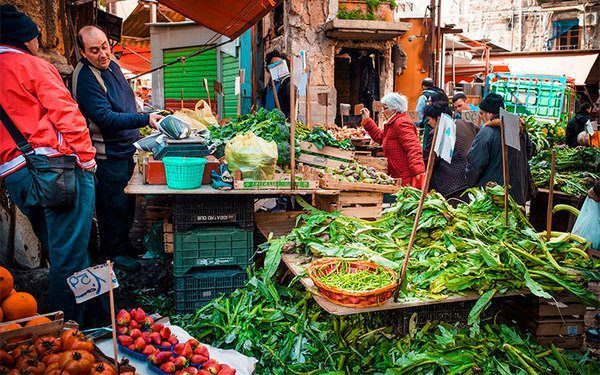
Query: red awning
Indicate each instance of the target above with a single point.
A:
(137, 59)
(228, 17)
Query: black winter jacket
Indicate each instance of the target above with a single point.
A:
(576, 126)
(484, 162)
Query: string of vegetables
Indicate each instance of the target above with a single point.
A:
(346, 278)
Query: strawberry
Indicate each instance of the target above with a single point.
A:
(152, 358)
(155, 337)
(149, 349)
(198, 359)
(193, 343)
(204, 372)
(146, 337)
(163, 357)
(166, 344)
(131, 347)
(191, 370)
(123, 330)
(148, 322)
(212, 366)
(187, 351)
(135, 333)
(177, 349)
(156, 327)
(139, 344)
(226, 370)
(134, 325)
(141, 315)
(125, 340)
(180, 362)
(202, 350)
(168, 367)
(123, 318)
(173, 340)
(165, 333)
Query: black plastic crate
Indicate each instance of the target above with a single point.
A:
(219, 246)
(195, 290)
(190, 211)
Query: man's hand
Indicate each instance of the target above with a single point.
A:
(154, 119)
(592, 194)
(366, 114)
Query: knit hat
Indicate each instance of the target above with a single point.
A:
(15, 26)
(492, 103)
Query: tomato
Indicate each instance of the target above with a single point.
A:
(30, 366)
(4, 370)
(76, 362)
(53, 369)
(76, 340)
(47, 345)
(24, 350)
(6, 359)
(50, 358)
(103, 368)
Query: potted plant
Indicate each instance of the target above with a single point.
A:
(367, 9)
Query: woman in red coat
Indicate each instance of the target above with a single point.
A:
(400, 140)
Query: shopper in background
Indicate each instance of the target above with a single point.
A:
(577, 124)
(399, 139)
(431, 93)
(36, 100)
(460, 104)
(594, 192)
(108, 102)
(282, 87)
(449, 178)
(484, 158)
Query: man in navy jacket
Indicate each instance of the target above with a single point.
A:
(108, 103)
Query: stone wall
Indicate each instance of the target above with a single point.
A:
(517, 25)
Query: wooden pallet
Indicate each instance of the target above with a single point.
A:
(326, 157)
(360, 204)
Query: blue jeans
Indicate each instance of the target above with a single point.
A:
(63, 233)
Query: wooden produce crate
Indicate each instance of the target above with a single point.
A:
(168, 237)
(326, 157)
(561, 221)
(157, 213)
(360, 204)
(559, 322)
(279, 181)
(365, 158)
(11, 339)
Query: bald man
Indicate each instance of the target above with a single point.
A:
(108, 103)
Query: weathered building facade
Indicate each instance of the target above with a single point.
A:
(528, 25)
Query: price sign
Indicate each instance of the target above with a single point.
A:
(358, 108)
(91, 282)
(345, 109)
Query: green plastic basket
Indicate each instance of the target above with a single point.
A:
(184, 172)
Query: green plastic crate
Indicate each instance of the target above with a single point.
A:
(210, 247)
(195, 290)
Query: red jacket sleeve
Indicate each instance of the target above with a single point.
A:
(409, 141)
(63, 112)
(373, 130)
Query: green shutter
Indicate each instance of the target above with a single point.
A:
(189, 75)
(230, 71)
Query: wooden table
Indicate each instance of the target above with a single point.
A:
(137, 187)
(296, 263)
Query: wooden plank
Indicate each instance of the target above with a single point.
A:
(327, 203)
(558, 327)
(135, 186)
(357, 186)
(52, 328)
(360, 197)
(328, 151)
(297, 262)
(575, 342)
(554, 310)
(274, 184)
(381, 164)
(276, 223)
(320, 161)
(367, 212)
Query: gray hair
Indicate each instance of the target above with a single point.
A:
(396, 102)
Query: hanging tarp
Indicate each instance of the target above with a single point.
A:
(560, 28)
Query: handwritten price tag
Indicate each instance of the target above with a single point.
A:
(91, 282)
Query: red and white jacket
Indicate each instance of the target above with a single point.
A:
(36, 99)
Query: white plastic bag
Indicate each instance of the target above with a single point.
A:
(252, 155)
(588, 222)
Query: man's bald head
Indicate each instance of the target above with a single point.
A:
(93, 45)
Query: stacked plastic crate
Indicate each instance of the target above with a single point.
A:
(213, 245)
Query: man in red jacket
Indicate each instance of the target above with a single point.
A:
(34, 97)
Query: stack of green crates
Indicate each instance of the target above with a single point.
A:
(209, 261)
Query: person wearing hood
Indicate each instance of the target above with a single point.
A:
(34, 98)
(484, 159)
(578, 123)
(399, 139)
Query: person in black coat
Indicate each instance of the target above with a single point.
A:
(449, 179)
(484, 159)
(282, 87)
(577, 124)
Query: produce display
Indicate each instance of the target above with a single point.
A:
(155, 343)
(289, 333)
(457, 250)
(576, 169)
(351, 279)
(15, 305)
(544, 135)
(71, 353)
(343, 133)
(356, 172)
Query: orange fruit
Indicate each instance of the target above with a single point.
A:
(19, 305)
(36, 321)
(1, 315)
(9, 327)
(6, 283)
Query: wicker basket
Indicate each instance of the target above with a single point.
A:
(377, 297)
